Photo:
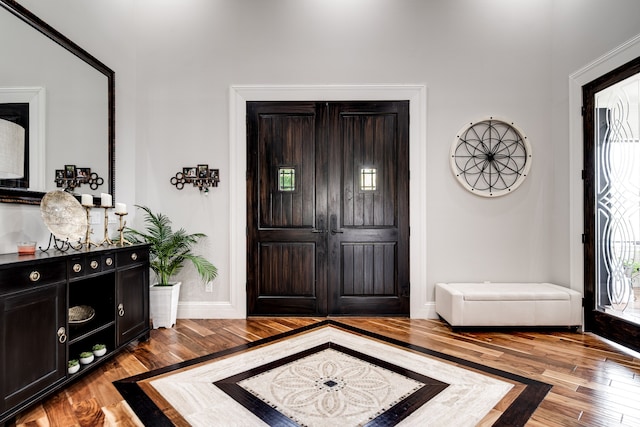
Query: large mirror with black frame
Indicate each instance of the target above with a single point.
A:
(63, 98)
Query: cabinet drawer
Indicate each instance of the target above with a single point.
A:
(131, 257)
(108, 261)
(77, 266)
(83, 265)
(39, 274)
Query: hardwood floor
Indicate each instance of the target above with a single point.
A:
(594, 383)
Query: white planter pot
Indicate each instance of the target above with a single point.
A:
(86, 360)
(163, 305)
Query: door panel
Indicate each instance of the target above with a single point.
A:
(30, 323)
(368, 199)
(132, 287)
(368, 269)
(287, 269)
(327, 188)
(286, 145)
(286, 247)
(368, 142)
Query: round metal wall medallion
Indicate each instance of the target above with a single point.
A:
(491, 157)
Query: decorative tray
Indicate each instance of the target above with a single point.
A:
(63, 215)
(80, 314)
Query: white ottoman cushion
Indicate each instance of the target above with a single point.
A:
(508, 304)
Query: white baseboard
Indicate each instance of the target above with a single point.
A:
(208, 310)
(425, 311)
(225, 310)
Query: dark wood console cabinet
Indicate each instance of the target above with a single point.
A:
(36, 337)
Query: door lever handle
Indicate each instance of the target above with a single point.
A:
(334, 225)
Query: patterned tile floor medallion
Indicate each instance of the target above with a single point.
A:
(331, 374)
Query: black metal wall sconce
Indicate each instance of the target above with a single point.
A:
(71, 177)
(200, 176)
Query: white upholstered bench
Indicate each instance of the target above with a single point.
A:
(508, 304)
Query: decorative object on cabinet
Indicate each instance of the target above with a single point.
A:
(200, 176)
(106, 203)
(61, 214)
(121, 212)
(72, 177)
(106, 240)
(169, 250)
(490, 157)
(81, 314)
(26, 248)
(61, 245)
(99, 350)
(88, 243)
(66, 220)
(73, 366)
(86, 357)
(64, 216)
(113, 281)
(121, 229)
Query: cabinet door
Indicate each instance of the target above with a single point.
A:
(132, 303)
(33, 341)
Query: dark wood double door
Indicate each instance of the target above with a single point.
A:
(328, 200)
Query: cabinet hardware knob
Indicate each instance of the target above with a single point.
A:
(62, 335)
(34, 276)
(120, 310)
(77, 267)
(134, 256)
(94, 264)
(108, 261)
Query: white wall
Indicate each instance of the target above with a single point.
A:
(175, 60)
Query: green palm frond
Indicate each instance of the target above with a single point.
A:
(170, 249)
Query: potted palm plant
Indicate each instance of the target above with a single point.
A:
(169, 251)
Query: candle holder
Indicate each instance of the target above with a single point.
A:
(87, 241)
(106, 241)
(123, 223)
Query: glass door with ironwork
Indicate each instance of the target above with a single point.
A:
(612, 205)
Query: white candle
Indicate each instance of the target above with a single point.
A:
(121, 208)
(86, 200)
(105, 200)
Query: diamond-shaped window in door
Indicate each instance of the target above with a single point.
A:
(368, 179)
(286, 179)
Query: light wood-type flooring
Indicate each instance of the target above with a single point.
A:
(594, 383)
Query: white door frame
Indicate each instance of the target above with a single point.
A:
(420, 307)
